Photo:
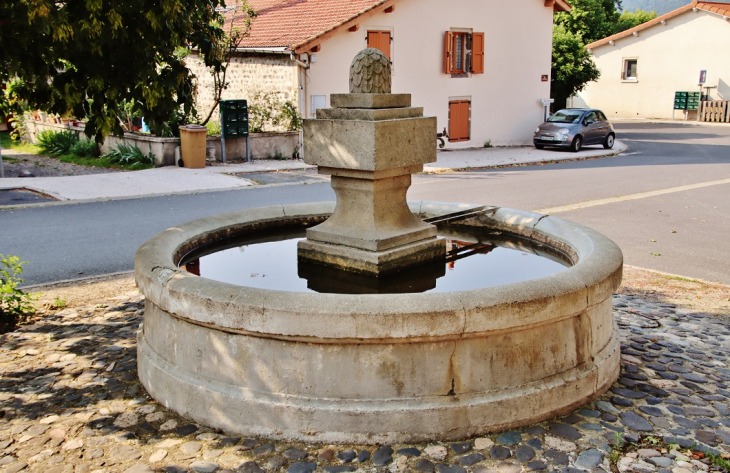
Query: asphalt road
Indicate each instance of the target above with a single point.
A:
(666, 202)
(72, 241)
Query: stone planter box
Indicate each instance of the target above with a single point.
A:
(162, 148)
(263, 145)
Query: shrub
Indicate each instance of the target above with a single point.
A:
(85, 149)
(57, 143)
(130, 155)
(15, 305)
(19, 127)
(214, 128)
(262, 112)
(290, 116)
(267, 112)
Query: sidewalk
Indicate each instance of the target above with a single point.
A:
(174, 180)
(664, 121)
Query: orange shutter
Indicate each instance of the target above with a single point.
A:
(380, 40)
(447, 51)
(477, 53)
(459, 120)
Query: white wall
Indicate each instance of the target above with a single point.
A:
(518, 45)
(670, 58)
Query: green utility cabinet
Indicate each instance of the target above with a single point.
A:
(234, 124)
(680, 100)
(234, 118)
(686, 101)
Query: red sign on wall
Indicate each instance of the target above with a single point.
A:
(544, 77)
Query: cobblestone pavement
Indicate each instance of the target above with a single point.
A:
(70, 402)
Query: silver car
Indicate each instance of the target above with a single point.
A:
(574, 127)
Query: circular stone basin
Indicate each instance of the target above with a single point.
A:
(375, 368)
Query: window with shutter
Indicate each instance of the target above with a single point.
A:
(448, 53)
(380, 40)
(463, 52)
(477, 53)
(459, 120)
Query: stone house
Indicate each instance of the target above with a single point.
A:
(642, 68)
(480, 66)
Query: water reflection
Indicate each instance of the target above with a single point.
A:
(475, 259)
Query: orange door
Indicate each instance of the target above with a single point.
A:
(459, 111)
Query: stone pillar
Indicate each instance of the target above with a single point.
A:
(371, 142)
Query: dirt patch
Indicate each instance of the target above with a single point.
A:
(18, 164)
(688, 294)
(83, 293)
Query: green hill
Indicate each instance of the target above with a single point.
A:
(660, 6)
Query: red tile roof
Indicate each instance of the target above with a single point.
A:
(289, 23)
(719, 8)
(300, 24)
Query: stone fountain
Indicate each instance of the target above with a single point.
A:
(364, 368)
(370, 143)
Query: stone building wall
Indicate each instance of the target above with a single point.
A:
(247, 74)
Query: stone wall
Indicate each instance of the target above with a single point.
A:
(263, 146)
(247, 74)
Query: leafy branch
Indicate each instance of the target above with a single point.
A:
(224, 49)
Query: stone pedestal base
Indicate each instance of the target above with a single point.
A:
(371, 143)
(372, 230)
(374, 262)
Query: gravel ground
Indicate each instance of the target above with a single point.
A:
(16, 163)
(70, 401)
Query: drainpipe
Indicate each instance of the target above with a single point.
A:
(302, 84)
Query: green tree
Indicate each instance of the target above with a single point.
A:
(88, 57)
(572, 66)
(629, 19)
(589, 19)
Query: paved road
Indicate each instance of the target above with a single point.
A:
(78, 240)
(684, 169)
(673, 186)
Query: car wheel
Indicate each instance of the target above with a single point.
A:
(539, 146)
(609, 141)
(576, 144)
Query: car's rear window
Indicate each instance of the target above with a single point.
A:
(565, 116)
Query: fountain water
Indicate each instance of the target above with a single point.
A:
(370, 368)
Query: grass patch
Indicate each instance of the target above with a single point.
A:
(620, 448)
(7, 143)
(58, 303)
(720, 461)
(680, 278)
(67, 147)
